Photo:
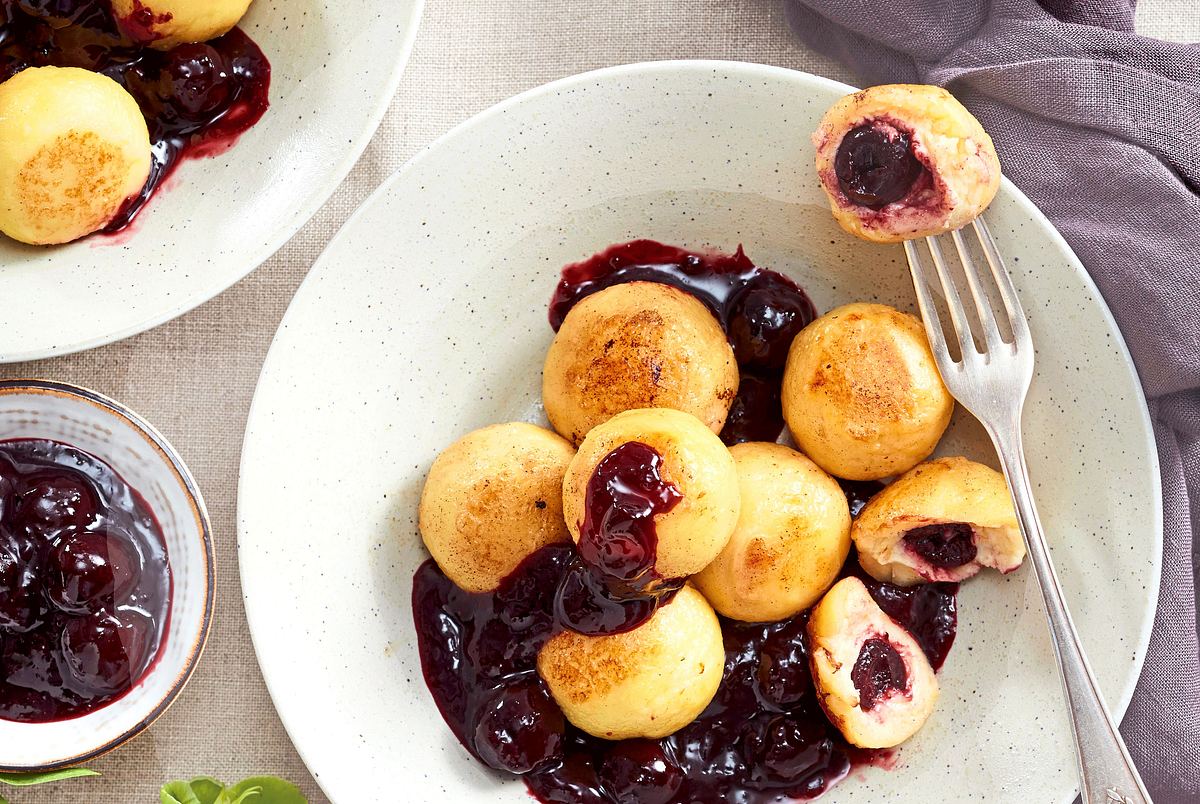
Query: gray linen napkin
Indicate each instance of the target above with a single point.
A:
(1101, 128)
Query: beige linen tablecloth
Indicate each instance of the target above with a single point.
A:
(194, 378)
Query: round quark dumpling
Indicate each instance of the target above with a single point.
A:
(693, 460)
(492, 498)
(791, 540)
(637, 345)
(903, 161)
(943, 521)
(648, 682)
(73, 148)
(163, 24)
(861, 392)
(871, 677)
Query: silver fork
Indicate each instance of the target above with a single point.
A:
(991, 381)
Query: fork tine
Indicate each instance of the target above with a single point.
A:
(1008, 293)
(983, 307)
(958, 315)
(929, 311)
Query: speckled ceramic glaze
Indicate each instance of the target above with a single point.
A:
(116, 435)
(335, 67)
(426, 318)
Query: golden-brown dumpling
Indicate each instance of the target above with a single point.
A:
(163, 24)
(492, 498)
(637, 345)
(73, 149)
(693, 460)
(791, 540)
(647, 682)
(861, 392)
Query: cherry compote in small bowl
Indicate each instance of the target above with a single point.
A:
(106, 575)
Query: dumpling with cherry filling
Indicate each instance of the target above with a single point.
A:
(872, 678)
(944, 520)
(903, 161)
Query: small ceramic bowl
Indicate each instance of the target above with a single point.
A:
(139, 453)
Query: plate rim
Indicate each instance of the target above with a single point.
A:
(256, 621)
(292, 226)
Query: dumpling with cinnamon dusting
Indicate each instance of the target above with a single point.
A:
(73, 148)
(791, 540)
(492, 498)
(647, 682)
(637, 345)
(861, 392)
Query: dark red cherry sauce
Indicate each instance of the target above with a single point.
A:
(197, 98)
(760, 310)
(764, 737)
(613, 586)
(85, 587)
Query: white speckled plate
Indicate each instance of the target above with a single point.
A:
(335, 68)
(426, 318)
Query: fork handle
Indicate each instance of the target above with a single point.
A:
(1107, 773)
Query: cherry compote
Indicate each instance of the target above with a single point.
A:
(613, 586)
(760, 310)
(197, 98)
(763, 738)
(85, 587)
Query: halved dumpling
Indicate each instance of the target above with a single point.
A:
(872, 678)
(944, 520)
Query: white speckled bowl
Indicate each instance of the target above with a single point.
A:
(140, 454)
(426, 318)
(335, 68)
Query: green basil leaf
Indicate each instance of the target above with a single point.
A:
(201, 790)
(177, 793)
(263, 790)
(30, 779)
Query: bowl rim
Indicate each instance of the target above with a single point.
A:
(183, 475)
(1118, 706)
(288, 229)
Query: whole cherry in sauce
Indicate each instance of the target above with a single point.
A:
(639, 772)
(85, 571)
(85, 584)
(520, 727)
(105, 652)
(875, 165)
(760, 310)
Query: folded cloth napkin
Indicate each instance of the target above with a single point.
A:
(1101, 128)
